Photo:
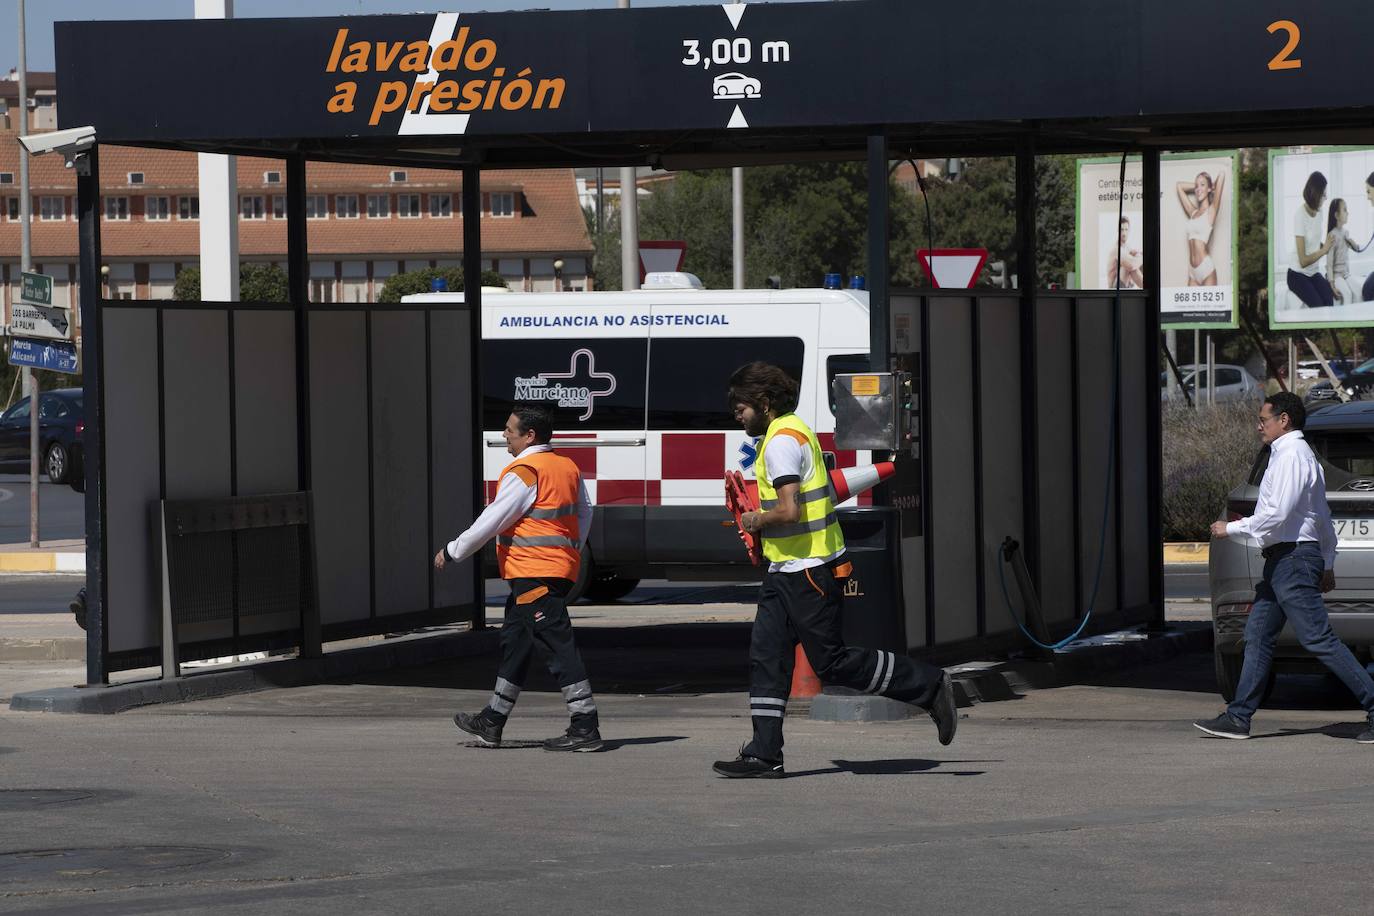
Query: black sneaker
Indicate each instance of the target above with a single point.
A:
(575, 741)
(487, 732)
(944, 711)
(1366, 736)
(1223, 726)
(746, 767)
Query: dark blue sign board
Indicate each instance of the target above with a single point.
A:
(57, 355)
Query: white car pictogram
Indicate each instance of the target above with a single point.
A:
(736, 86)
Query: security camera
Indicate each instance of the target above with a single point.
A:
(70, 143)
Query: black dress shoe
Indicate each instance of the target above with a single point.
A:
(944, 711)
(575, 741)
(487, 732)
(746, 767)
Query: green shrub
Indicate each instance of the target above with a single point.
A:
(418, 281)
(1207, 453)
(257, 283)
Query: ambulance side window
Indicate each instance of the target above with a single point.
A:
(590, 384)
(842, 364)
(689, 377)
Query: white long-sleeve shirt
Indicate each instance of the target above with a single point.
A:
(1292, 500)
(513, 499)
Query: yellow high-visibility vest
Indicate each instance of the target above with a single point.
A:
(817, 532)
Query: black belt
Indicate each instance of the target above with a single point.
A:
(1274, 550)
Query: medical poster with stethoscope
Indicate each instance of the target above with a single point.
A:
(1321, 225)
(1198, 237)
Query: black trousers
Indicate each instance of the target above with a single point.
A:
(804, 607)
(537, 613)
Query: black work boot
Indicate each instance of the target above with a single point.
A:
(573, 739)
(944, 711)
(486, 731)
(746, 767)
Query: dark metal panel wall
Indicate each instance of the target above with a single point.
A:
(999, 363)
(1137, 388)
(339, 463)
(1054, 428)
(452, 448)
(132, 474)
(264, 408)
(195, 392)
(954, 548)
(1097, 472)
(400, 463)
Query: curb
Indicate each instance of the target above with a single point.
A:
(295, 672)
(68, 649)
(1186, 553)
(34, 561)
(991, 682)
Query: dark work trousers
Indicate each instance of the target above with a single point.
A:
(804, 607)
(536, 612)
(1313, 290)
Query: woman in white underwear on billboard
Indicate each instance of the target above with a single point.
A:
(1201, 202)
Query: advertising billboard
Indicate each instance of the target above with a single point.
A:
(1198, 237)
(1321, 224)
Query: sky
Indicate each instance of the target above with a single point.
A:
(41, 14)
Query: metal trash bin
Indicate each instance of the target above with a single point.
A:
(873, 614)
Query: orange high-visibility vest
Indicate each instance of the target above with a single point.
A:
(544, 542)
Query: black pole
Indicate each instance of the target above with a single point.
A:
(93, 433)
(298, 295)
(1154, 448)
(472, 298)
(879, 344)
(1030, 410)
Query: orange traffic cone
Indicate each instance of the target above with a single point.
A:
(849, 482)
(805, 684)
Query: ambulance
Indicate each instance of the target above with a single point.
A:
(639, 382)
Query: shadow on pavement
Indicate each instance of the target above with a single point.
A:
(607, 744)
(896, 767)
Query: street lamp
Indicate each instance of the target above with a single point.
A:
(558, 275)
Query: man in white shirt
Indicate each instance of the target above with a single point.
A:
(1292, 524)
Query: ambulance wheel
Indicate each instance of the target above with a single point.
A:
(610, 587)
(584, 575)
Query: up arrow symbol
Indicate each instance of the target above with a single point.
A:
(737, 119)
(735, 11)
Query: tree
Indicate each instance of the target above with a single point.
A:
(258, 282)
(419, 281)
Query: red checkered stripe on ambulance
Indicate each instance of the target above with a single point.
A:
(671, 469)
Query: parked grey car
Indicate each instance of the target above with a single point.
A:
(1342, 436)
(1233, 383)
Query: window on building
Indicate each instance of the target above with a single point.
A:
(162, 280)
(157, 208)
(252, 206)
(673, 405)
(353, 281)
(378, 206)
(188, 207)
(271, 177)
(51, 209)
(316, 206)
(441, 205)
(135, 178)
(346, 206)
(117, 208)
(278, 206)
(120, 281)
(398, 176)
(408, 206)
(12, 207)
(6, 178)
(322, 281)
(503, 203)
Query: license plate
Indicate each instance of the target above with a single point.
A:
(1355, 532)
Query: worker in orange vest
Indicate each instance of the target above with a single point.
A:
(541, 517)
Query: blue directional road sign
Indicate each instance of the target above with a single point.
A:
(57, 355)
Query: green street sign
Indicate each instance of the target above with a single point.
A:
(35, 289)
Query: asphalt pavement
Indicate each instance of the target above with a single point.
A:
(61, 515)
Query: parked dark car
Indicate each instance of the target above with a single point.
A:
(1358, 383)
(61, 420)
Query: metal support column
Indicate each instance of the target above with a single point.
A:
(472, 297)
(1154, 449)
(1030, 387)
(879, 344)
(298, 293)
(93, 435)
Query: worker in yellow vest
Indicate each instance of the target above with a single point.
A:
(541, 517)
(799, 600)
